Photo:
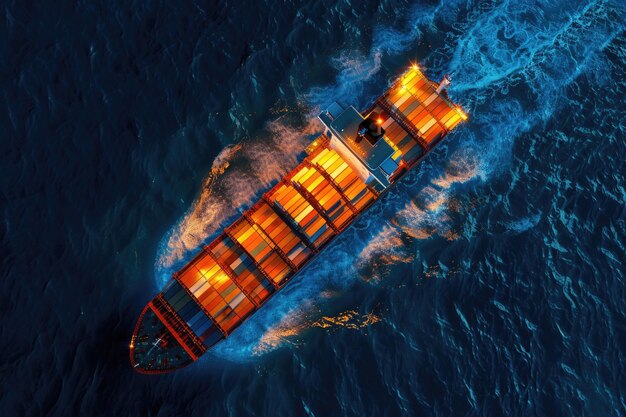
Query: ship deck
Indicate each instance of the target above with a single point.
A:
(255, 256)
(262, 250)
(259, 252)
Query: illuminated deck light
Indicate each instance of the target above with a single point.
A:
(461, 113)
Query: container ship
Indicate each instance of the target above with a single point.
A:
(359, 156)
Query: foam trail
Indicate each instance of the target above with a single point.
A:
(200, 219)
(355, 70)
(424, 216)
(543, 50)
(239, 173)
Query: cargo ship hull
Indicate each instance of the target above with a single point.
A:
(359, 157)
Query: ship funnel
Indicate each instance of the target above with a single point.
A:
(376, 129)
(371, 128)
(375, 125)
(444, 84)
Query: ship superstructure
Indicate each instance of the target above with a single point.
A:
(359, 156)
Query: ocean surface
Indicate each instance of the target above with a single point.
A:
(489, 282)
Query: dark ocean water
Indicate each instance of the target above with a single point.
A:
(491, 281)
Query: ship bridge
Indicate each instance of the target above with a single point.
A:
(398, 129)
